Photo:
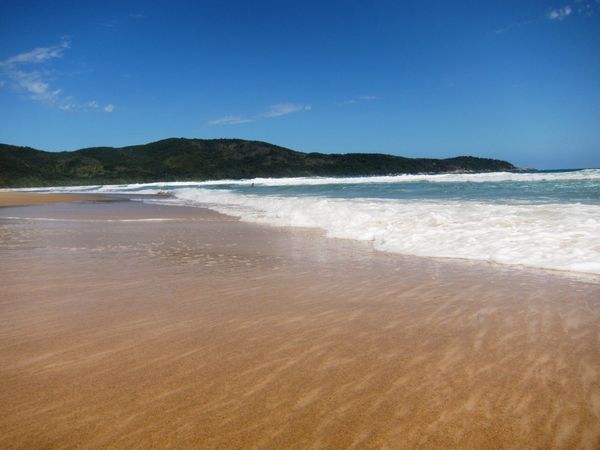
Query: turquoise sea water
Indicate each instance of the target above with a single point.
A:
(528, 191)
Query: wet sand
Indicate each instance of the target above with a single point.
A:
(119, 330)
(14, 198)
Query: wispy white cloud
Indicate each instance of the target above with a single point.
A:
(109, 108)
(67, 104)
(137, 15)
(29, 73)
(512, 26)
(34, 85)
(359, 99)
(560, 13)
(230, 120)
(586, 8)
(277, 110)
(283, 109)
(22, 73)
(37, 55)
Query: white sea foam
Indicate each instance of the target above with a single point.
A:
(587, 174)
(550, 236)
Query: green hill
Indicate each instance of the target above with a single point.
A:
(199, 159)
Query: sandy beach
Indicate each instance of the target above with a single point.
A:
(127, 325)
(14, 198)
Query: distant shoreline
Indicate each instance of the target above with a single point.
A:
(211, 159)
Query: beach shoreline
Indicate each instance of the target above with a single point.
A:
(131, 324)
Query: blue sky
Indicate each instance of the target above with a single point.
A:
(516, 80)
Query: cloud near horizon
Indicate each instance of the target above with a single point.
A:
(29, 73)
(277, 110)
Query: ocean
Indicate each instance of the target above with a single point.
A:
(543, 219)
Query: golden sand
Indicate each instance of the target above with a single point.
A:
(13, 198)
(204, 332)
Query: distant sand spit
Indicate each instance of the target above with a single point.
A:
(205, 332)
